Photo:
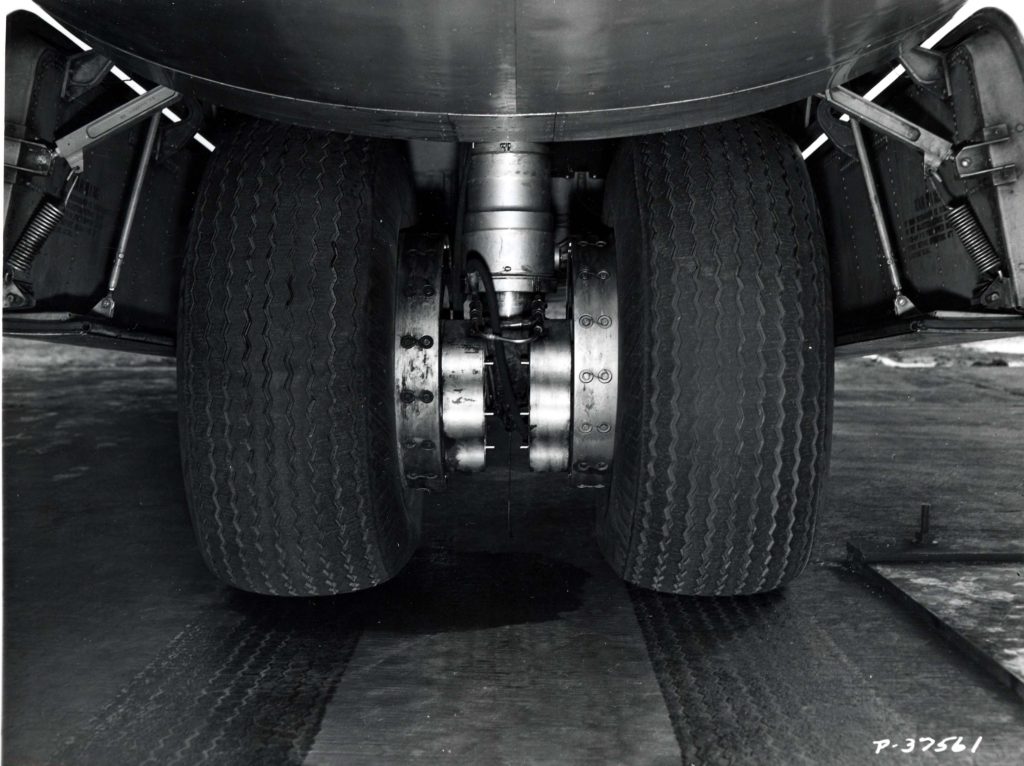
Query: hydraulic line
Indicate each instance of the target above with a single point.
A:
(511, 417)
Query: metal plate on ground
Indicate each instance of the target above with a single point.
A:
(979, 607)
(417, 361)
(462, 398)
(551, 398)
(595, 362)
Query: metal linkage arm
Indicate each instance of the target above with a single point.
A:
(935, 149)
(72, 146)
(901, 303)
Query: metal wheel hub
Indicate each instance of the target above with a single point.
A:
(595, 362)
(418, 361)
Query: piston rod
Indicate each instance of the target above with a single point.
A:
(901, 303)
(106, 305)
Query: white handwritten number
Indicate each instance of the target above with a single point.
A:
(952, 744)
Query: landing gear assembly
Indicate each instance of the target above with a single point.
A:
(670, 355)
(533, 342)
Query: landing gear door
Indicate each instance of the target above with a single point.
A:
(945, 159)
(66, 210)
(985, 61)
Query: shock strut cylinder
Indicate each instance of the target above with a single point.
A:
(508, 220)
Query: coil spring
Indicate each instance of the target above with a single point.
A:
(965, 222)
(40, 226)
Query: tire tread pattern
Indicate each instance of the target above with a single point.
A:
(286, 409)
(726, 383)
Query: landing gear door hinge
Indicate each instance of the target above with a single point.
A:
(986, 158)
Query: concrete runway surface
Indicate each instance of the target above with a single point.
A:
(120, 648)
